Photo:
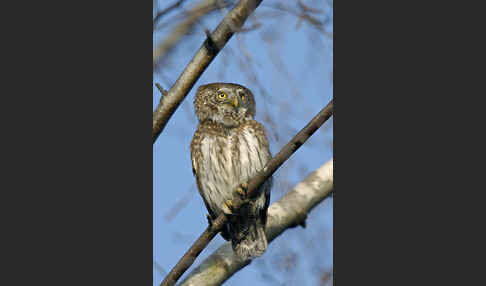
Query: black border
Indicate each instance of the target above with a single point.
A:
(406, 203)
(77, 195)
(78, 181)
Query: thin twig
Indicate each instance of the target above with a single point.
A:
(201, 60)
(188, 259)
(204, 7)
(161, 89)
(309, 9)
(302, 15)
(166, 10)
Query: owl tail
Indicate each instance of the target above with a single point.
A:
(249, 240)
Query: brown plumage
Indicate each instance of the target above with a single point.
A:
(228, 148)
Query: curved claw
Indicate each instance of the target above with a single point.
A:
(242, 190)
(227, 207)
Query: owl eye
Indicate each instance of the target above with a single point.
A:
(222, 95)
(242, 97)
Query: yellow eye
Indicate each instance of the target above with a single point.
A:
(222, 95)
(242, 97)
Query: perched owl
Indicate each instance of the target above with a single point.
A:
(228, 148)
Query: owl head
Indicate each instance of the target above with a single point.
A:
(226, 103)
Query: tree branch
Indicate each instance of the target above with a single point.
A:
(201, 60)
(186, 261)
(282, 215)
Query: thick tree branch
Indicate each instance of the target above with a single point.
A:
(233, 21)
(282, 215)
(186, 261)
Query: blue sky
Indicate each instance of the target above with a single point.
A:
(295, 71)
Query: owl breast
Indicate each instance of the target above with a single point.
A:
(227, 161)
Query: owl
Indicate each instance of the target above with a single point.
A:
(228, 148)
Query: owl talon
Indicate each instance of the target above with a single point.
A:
(242, 190)
(227, 207)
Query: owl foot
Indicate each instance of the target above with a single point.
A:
(242, 190)
(227, 208)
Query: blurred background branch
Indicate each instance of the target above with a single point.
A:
(166, 10)
(201, 9)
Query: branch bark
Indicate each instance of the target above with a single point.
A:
(186, 261)
(282, 215)
(233, 21)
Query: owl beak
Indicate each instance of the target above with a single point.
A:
(235, 102)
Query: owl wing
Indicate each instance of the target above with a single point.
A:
(195, 154)
(211, 213)
(265, 150)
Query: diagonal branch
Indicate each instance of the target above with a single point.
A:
(186, 261)
(282, 215)
(232, 22)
